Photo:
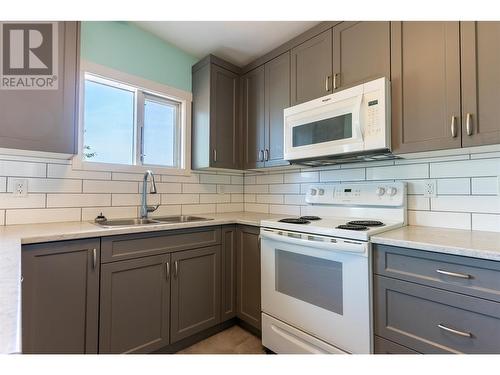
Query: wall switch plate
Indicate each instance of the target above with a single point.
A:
(20, 187)
(430, 189)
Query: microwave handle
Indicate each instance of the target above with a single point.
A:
(359, 103)
(340, 245)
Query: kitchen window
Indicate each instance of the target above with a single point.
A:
(125, 126)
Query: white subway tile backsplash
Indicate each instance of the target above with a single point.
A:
(237, 180)
(256, 207)
(167, 210)
(440, 219)
(485, 185)
(42, 215)
(343, 175)
(223, 189)
(249, 180)
(270, 198)
(67, 171)
(269, 179)
(78, 200)
(22, 169)
(3, 185)
(296, 199)
(411, 171)
(215, 179)
(90, 213)
(230, 207)
(2, 217)
(417, 202)
(284, 210)
(180, 198)
(192, 179)
(299, 177)
(466, 168)
(284, 189)
(48, 185)
(90, 186)
(471, 203)
(198, 188)
(215, 198)
(237, 198)
(192, 209)
(453, 186)
(486, 222)
(133, 199)
(259, 189)
(164, 187)
(8, 200)
(250, 198)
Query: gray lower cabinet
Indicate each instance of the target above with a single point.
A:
(135, 305)
(60, 297)
(480, 66)
(248, 276)
(228, 272)
(196, 291)
(435, 303)
(383, 346)
(311, 68)
(45, 120)
(425, 82)
(361, 51)
(215, 120)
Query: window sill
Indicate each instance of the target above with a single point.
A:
(79, 164)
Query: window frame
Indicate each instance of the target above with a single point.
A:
(143, 88)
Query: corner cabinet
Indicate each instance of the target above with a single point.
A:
(60, 297)
(215, 119)
(425, 81)
(45, 120)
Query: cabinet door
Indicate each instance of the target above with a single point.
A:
(312, 68)
(254, 118)
(224, 114)
(60, 297)
(480, 83)
(277, 97)
(361, 51)
(45, 120)
(196, 284)
(248, 273)
(425, 75)
(228, 294)
(135, 305)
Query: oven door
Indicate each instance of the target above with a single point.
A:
(318, 285)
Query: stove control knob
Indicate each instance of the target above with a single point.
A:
(313, 192)
(321, 191)
(392, 191)
(380, 191)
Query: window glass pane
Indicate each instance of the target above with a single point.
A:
(330, 129)
(108, 124)
(160, 132)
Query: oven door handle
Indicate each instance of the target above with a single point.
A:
(339, 245)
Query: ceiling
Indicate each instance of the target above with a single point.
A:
(234, 41)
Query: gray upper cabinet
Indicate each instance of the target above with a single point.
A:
(277, 98)
(361, 50)
(480, 83)
(135, 305)
(215, 120)
(45, 120)
(425, 80)
(254, 118)
(311, 68)
(248, 276)
(60, 297)
(196, 287)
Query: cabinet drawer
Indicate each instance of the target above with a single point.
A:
(144, 244)
(431, 320)
(476, 277)
(383, 346)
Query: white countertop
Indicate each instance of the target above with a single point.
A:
(476, 244)
(12, 237)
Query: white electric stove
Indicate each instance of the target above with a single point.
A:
(315, 269)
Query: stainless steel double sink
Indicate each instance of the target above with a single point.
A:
(176, 219)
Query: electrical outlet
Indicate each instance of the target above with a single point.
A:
(430, 189)
(20, 187)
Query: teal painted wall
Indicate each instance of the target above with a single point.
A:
(127, 48)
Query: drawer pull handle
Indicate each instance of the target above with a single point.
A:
(456, 332)
(454, 274)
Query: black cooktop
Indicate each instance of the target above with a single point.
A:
(294, 220)
(312, 218)
(352, 227)
(366, 223)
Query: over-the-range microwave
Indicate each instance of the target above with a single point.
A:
(349, 125)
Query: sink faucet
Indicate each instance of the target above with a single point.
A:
(145, 209)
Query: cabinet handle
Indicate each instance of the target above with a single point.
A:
(327, 83)
(266, 153)
(456, 332)
(215, 155)
(454, 274)
(453, 126)
(261, 155)
(94, 258)
(167, 269)
(468, 124)
(335, 81)
(176, 266)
